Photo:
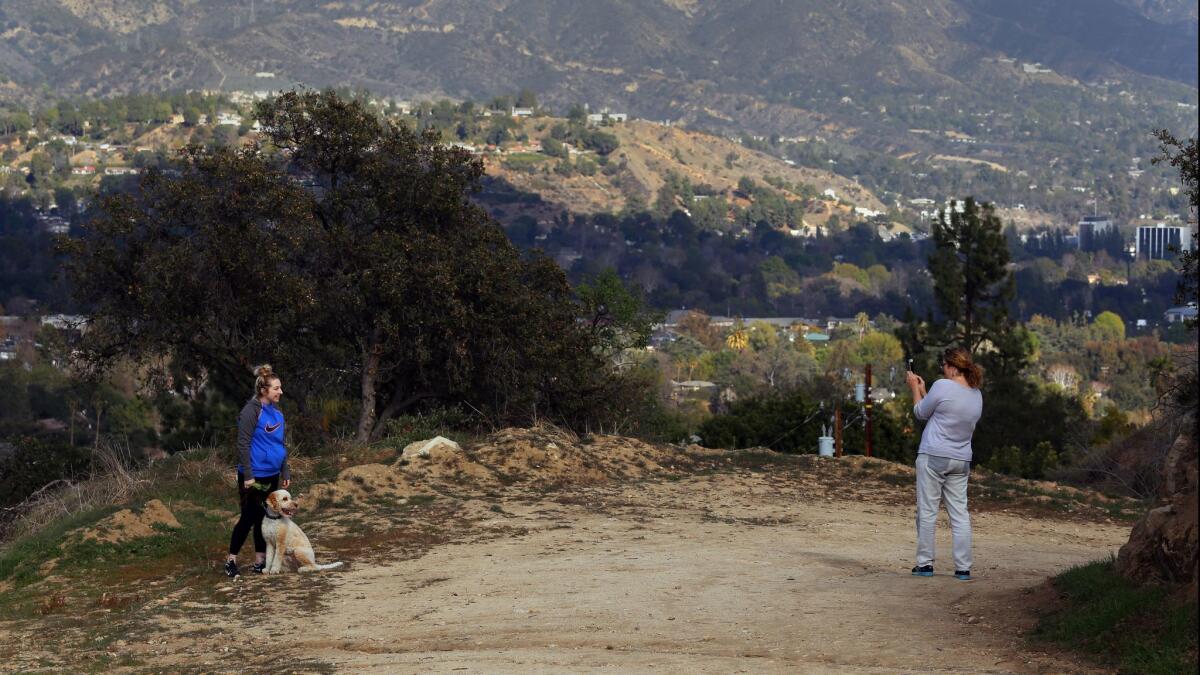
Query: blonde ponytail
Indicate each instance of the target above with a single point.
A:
(263, 377)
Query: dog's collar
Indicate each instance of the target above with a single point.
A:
(267, 515)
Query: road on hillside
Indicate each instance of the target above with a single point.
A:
(724, 573)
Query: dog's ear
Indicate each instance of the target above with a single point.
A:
(272, 503)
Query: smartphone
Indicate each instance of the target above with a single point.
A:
(910, 365)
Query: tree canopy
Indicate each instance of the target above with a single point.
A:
(973, 288)
(346, 251)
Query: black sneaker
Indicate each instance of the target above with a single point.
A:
(259, 567)
(962, 575)
(231, 568)
(923, 571)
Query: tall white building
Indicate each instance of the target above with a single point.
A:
(1161, 241)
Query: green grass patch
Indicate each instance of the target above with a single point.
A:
(1137, 629)
(20, 561)
(201, 504)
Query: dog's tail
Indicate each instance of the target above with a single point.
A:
(318, 568)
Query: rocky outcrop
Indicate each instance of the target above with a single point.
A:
(1163, 545)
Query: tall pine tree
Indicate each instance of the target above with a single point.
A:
(973, 288)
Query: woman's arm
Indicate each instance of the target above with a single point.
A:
(925, 402)
(285, 471)
(247, 421)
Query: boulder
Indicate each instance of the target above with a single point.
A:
(426, 449)
(1163, 545)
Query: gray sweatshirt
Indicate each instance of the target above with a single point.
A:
(952, 410)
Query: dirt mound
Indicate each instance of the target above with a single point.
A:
(363, 483)
(127, 524)
(550, 456)
(542, 456)
(441, 460)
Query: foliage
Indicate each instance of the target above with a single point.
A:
(974, 287)
(784, 422)
(425, 424)
(1183, 396)
(1185, 157)
(1017, 412)
(1109, 326)
(348, 253)
(792, 420)
(615, 314)
(36, 461)
(1031, 463)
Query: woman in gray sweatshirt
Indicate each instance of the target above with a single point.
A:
(951, 408)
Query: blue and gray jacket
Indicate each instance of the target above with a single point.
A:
(260, 441)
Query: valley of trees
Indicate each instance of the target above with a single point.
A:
(356, 254)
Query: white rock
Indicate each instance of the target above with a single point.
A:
(424, 448)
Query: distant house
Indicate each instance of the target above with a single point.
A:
(65, 321)
(829, 192)
(86, 170)
(692, 385)
(53, 224)
(1178, 314)
(120, 171)
(606, 116)
(816, 337)
(264, 74)
(521, 112)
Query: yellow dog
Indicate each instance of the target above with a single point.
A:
(284, 537)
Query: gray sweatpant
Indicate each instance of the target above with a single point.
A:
(938, 478)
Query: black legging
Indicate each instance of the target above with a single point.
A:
(252, 499)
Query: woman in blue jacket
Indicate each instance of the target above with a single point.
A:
(262, 464)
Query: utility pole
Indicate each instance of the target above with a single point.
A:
(867, 405)
(837, 430)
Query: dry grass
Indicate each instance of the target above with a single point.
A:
(114, 480)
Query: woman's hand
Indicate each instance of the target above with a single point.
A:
(248, 482)
(285, 483)
(914, 380)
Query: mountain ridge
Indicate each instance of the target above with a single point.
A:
(608, 48)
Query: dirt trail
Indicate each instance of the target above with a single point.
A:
(536, 551)
(733, 572)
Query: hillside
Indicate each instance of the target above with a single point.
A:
(671, 47)
(650, 152)
(785, 65)
(1016, 102)
(534, 549)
